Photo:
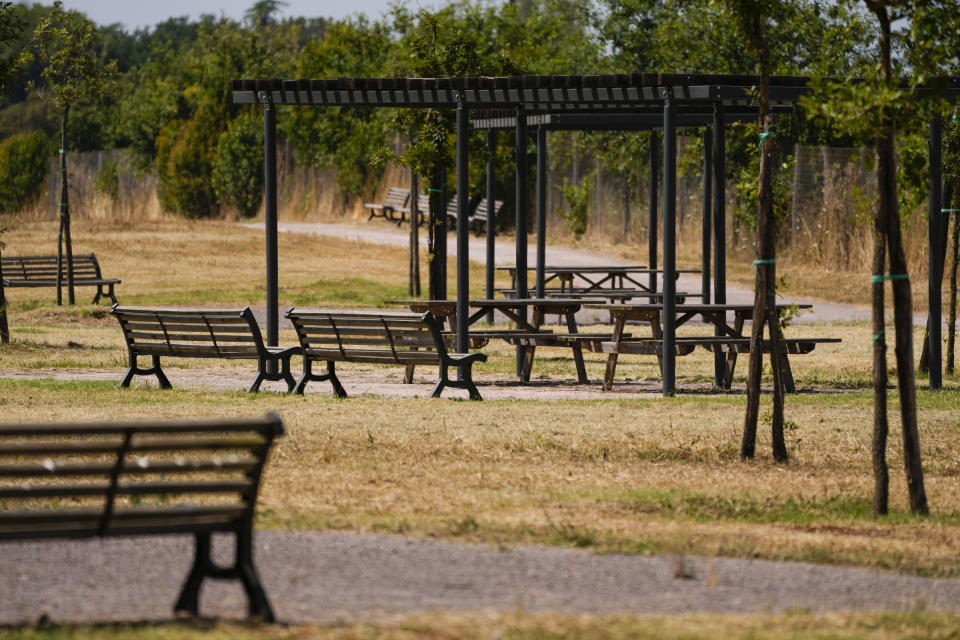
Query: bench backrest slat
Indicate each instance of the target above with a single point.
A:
(117, 473)
(396, 198)
(396, 334)
(212, 332)
(45, 267)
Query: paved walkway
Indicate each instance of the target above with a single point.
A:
(335, 577)
(505, 254)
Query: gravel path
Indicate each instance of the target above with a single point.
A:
(334, 577)
(505, 254)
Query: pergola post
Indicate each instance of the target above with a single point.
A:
(654, 188)
(491, 209)
(707, 213)
(463, 235)
(935, 264)
(521, 219)
(270, 221)
(440, 239)
(719, 227)
(669, 353)
(541, 208)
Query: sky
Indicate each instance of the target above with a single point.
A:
(140, 13)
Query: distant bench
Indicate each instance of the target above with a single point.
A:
(199, 333)
(41, 271)
(394, 207)
(126, 479)
(398, 338)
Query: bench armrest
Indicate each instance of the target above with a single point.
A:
(457, 359)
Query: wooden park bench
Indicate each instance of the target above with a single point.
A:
(481, 217)
(385, 337)
(41, 271)
(199, 333)
(147, 478)
(394, 207)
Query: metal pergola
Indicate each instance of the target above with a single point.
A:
(637, 100)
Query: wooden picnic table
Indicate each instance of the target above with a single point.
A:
(528, 334)
(731, 340)
(596, 277)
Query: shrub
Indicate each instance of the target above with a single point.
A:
(107, 180)
(23, 169)
(185, 153)
(238, 168)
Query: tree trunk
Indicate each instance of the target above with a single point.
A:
(64, 218)
(764, 301)
(414, 285)
(433, 222)
(955, 253)
(4, 327)
(902, 306)
(881, 473)
(626, 208)
(941, 260)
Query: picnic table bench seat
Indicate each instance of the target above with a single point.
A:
(399, 338)
(141, 478)
(393, 207)
(199, 333)
(41, 271)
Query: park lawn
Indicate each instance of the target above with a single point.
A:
(216, 264)
(613, 474)
(646, 475)
(795, 625)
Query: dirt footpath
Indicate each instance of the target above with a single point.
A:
(505, 254)
(337, 577)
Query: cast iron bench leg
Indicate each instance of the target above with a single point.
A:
(136, 370)
(309, 376)
(257, 603)
(189, 600)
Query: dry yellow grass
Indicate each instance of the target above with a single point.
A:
(509, 626)
(648, 475)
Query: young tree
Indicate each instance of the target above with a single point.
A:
(918, 40)
(438, 50)
(753, 16)
(10, 28)
(73, 74)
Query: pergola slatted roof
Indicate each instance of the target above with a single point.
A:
(539, 93)
(634, 101)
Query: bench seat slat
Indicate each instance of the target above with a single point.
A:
(130, 467)
(9, 519)
(137, 446)
(374, 356)
(124, 489)
(198, 336)
(192, 351)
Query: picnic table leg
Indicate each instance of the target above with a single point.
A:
(788, 383)
(529, 350)
(612, 358)
(657, 332)
(739, 319)
(577, 349)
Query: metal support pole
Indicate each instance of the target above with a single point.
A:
(669, 246)
(521, 199)
(707, 213)
(654, 190)
(491, 210)
(933, 251)
(541, 208)
(270, 210)
(463, 232)
(719, 227)
(441, 237)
